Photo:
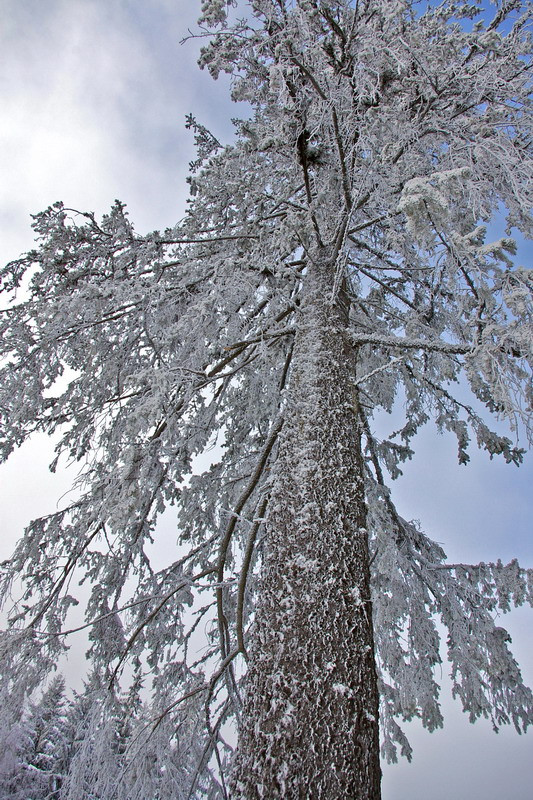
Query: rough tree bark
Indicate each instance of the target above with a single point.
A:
(310, 721)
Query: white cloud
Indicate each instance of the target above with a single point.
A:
(93, 98)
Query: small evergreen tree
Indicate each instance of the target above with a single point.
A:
(39, 751)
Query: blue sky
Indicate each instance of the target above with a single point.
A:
(93, 95)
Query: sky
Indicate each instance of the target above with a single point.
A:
(93, 97)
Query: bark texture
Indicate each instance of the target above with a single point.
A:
(310, 721)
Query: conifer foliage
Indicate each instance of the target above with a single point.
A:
(227, 373)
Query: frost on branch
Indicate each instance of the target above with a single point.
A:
(215, 12)
(184, 372)
(466, 599)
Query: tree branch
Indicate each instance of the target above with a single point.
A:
(412, 344)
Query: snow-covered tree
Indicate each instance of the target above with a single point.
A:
(39, 759)
(333, 261)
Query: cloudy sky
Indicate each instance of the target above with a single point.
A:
(93, 95)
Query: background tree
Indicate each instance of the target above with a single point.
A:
(39, 754)
(351, 269)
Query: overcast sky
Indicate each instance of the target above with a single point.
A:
(93, 95)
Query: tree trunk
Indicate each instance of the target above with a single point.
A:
(310, 717)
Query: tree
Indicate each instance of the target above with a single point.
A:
(39, 759)
(332, 261)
